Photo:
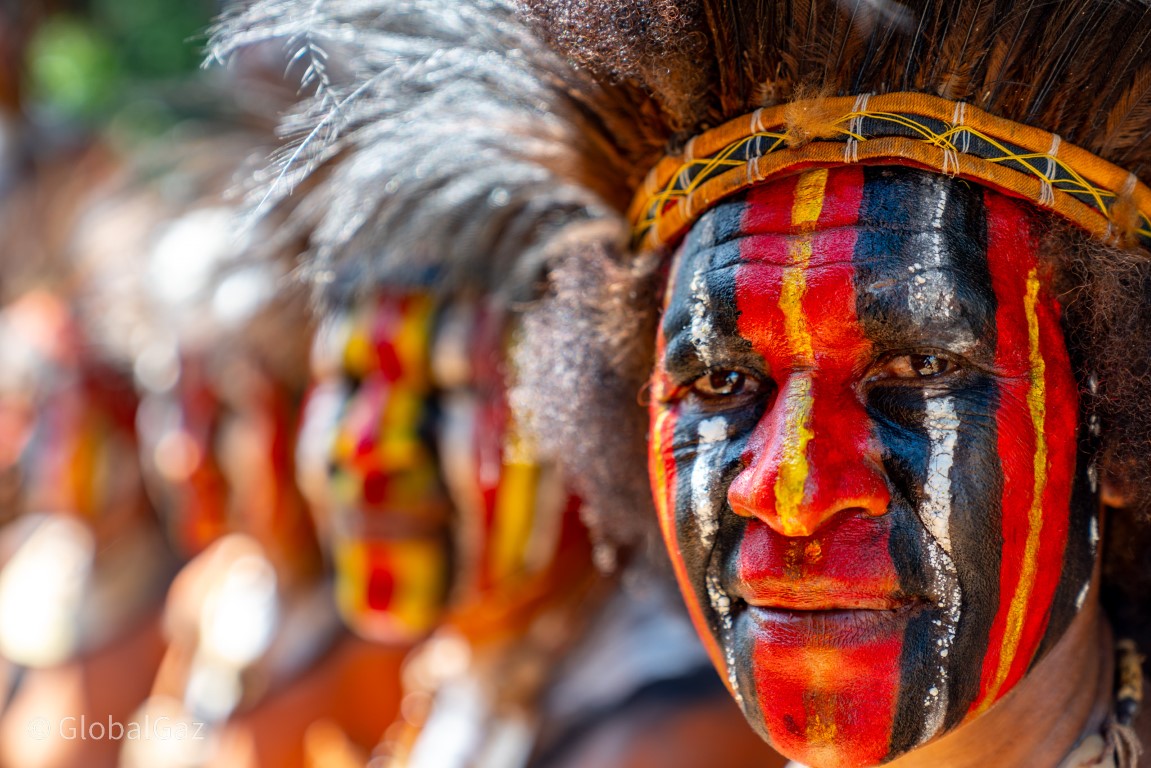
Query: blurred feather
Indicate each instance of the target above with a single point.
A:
(441, 109)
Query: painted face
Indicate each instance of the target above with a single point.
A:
(370, 472)
(864, 453)
(217, 446)
(67, 418)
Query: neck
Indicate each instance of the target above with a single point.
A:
(1038, 723)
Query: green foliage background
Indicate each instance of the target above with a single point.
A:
(98, 60)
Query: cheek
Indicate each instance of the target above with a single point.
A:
(1037, 441)
(662, 470)
(692, 458)
(688, 529)
(679, 530)
(1037, 423)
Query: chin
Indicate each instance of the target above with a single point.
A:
(828, 688)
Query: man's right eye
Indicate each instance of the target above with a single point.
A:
(725, 383)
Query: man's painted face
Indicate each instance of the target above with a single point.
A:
(864, 453)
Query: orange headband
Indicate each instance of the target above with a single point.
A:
(914, 129)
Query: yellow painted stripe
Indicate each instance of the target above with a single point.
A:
(793, 468)
(411, 342)
(515, 507)
(399, 444)
(350, 563)
(1037, 405)
(791, 299)
(358, 350)
(808, 203)
(420, 583)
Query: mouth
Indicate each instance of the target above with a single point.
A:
(827, 621)
(821, 612)
(822, 593)
(822, 598)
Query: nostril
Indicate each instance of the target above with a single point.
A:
(873, 510)
(740, 508)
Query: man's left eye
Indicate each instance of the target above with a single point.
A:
(917, 366)
(725, 383)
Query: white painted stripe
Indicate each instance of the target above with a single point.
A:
(702, 331)
(931, 292)
(935, 512)
(721, 604)
(712, 434)
(1082, 597)
(942, 433)
(945, 583)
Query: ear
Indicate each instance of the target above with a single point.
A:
(1115, 487)
(1114, 491)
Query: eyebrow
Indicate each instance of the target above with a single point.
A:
(956, 306)
(694, 335)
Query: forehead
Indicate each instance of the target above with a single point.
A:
(913, 245)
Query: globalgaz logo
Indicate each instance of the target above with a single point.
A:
(82, 728)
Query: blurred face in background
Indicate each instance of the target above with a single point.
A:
(369, 471)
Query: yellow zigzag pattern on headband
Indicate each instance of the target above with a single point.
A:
(896, 128)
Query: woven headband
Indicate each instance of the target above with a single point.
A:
(914, 129)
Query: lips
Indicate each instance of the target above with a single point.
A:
(827, 629)
(821, 611)
(819, 595)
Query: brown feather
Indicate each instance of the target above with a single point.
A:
(1130, 119)
(1066, 33)
(721, 29)
(1033, 61)
(930, 38)
(964, 48)
(1003, 51)
(1128, 45)
(860, 24)
(802, 37)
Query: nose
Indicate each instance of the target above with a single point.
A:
(810, 459)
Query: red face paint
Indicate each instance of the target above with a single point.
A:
(1035, 530)
(853, 366)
